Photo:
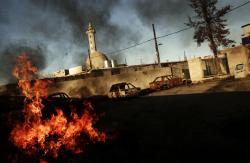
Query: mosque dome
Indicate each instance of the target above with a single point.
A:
(97, 60)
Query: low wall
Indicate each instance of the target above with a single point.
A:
(196, 69)
(100, 83)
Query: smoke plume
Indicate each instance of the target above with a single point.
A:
(9, 55)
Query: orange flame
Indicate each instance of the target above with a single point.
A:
(48, 135)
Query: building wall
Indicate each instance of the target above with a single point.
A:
(237, 55)
(196, 69)
(75, 70)
(246, 30)
(59, 73)
(99, 82)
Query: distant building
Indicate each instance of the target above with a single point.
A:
(96, 60)
(246, 34)
(203, 68)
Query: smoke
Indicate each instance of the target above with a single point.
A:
(60, 26)
(9, 55)
(168, 13)
(79, 13)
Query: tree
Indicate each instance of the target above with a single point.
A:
(209, 24)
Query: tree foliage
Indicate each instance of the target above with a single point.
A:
(209, 24)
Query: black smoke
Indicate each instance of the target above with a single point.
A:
(167, 15)
(79, 13)
(60, 26)
(9, 55)
(164, 12)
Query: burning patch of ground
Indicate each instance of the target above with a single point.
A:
(42, 137)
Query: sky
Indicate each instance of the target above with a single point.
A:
(53, 31)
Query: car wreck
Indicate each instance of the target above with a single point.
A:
(165, 82)
(123, 89)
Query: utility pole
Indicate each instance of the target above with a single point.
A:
(90, 63)
(156, 47)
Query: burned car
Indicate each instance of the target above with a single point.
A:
(123, 90)
(63, 101)
(165, 82)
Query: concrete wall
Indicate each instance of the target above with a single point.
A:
(237, 55)
(99, 82)
(196, 69)
(75, 70)
(59, 73)
(246, 30)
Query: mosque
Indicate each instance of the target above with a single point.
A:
(96, 59)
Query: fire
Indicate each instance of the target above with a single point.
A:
(48, 136)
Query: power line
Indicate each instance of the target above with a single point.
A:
(169, 34)
(184, 29)
(238, 6)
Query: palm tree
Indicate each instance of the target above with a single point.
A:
(209, 25)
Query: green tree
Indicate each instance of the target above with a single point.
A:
(209, 25)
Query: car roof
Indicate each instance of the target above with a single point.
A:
(57, 93)
(123, 83)
(163, 76)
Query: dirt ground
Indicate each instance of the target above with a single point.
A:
(231, 85)
(207, 122)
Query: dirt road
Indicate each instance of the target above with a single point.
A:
(208, 87)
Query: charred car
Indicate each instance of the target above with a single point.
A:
(123, 89)
(63, 101)
(165, 82)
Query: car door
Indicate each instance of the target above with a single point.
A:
(122, 90)
(132, 89)
(158, 82)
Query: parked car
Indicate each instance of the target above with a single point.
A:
(123, 90)
(56, 100)
(63, 101)
(165, 82)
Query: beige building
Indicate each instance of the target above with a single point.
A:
(96, 60)
(203, 68)
(196, 69)
(237, 55)
(246, 31)
(229, 58)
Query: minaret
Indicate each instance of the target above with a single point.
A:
(91, 37)
(185, 57)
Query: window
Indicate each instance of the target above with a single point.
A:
(115, 71)
(165, 78)
(113, 88)
(239, 67)
(122, 87)
(158, 79)
(131, 86)
(97, 73)
(126, 87)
